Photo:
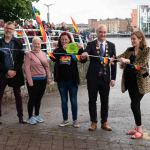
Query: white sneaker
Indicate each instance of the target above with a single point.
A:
(75, 124)
(39, 119)
(31, 121)
(64, 123)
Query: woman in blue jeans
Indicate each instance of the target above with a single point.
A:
(67, 77)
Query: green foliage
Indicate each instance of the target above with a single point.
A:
(11, 10)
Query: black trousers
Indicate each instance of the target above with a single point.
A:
(135, 97)
(36, 93)
(103, 88)
(17, 94)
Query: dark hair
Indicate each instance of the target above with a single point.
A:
(141, 36)
(62, 34)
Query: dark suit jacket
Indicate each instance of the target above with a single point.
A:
(18, 57)
(95, 66)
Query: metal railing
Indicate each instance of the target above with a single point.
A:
(51, 39)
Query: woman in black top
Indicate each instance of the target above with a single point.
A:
(67, 77)
(135, 77)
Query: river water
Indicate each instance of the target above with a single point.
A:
(123, 43)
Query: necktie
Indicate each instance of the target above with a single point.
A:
(101, 50)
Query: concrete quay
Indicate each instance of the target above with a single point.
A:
(49, 136)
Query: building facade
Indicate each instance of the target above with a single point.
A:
(144, 18)
(92, 24)
(114, 25)
(134, 19)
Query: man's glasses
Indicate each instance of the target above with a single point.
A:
(9, 28)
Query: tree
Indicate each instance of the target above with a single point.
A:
(11, 10)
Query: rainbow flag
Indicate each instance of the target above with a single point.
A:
(75, 25)
(51, 55)
(19, 33)
(104, 60)
(76, 57)
(137, 67)
(43, 33)
(38, 19)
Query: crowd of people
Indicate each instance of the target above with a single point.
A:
(31, 29)
(100, 75)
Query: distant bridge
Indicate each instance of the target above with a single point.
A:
(118, 34)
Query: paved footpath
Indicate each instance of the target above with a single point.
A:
(48, 136)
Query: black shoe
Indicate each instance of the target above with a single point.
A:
(21, 121)
(0, 123)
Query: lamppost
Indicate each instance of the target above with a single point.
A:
(48, 14)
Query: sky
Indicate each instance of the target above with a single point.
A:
(82, 10)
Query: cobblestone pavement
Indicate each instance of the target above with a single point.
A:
(48, 136)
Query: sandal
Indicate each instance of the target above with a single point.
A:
(137, 135)
(132, 132)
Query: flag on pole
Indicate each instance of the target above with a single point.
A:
(38, 19)
(75, 25)
(51, 55)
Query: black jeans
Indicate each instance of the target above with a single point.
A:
(36, 93)
(135, 97)
(17, 94)
(103, 88)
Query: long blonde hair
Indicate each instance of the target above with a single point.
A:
(140, 35)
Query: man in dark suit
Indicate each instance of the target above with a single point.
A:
(100, 76)
(11, 61)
